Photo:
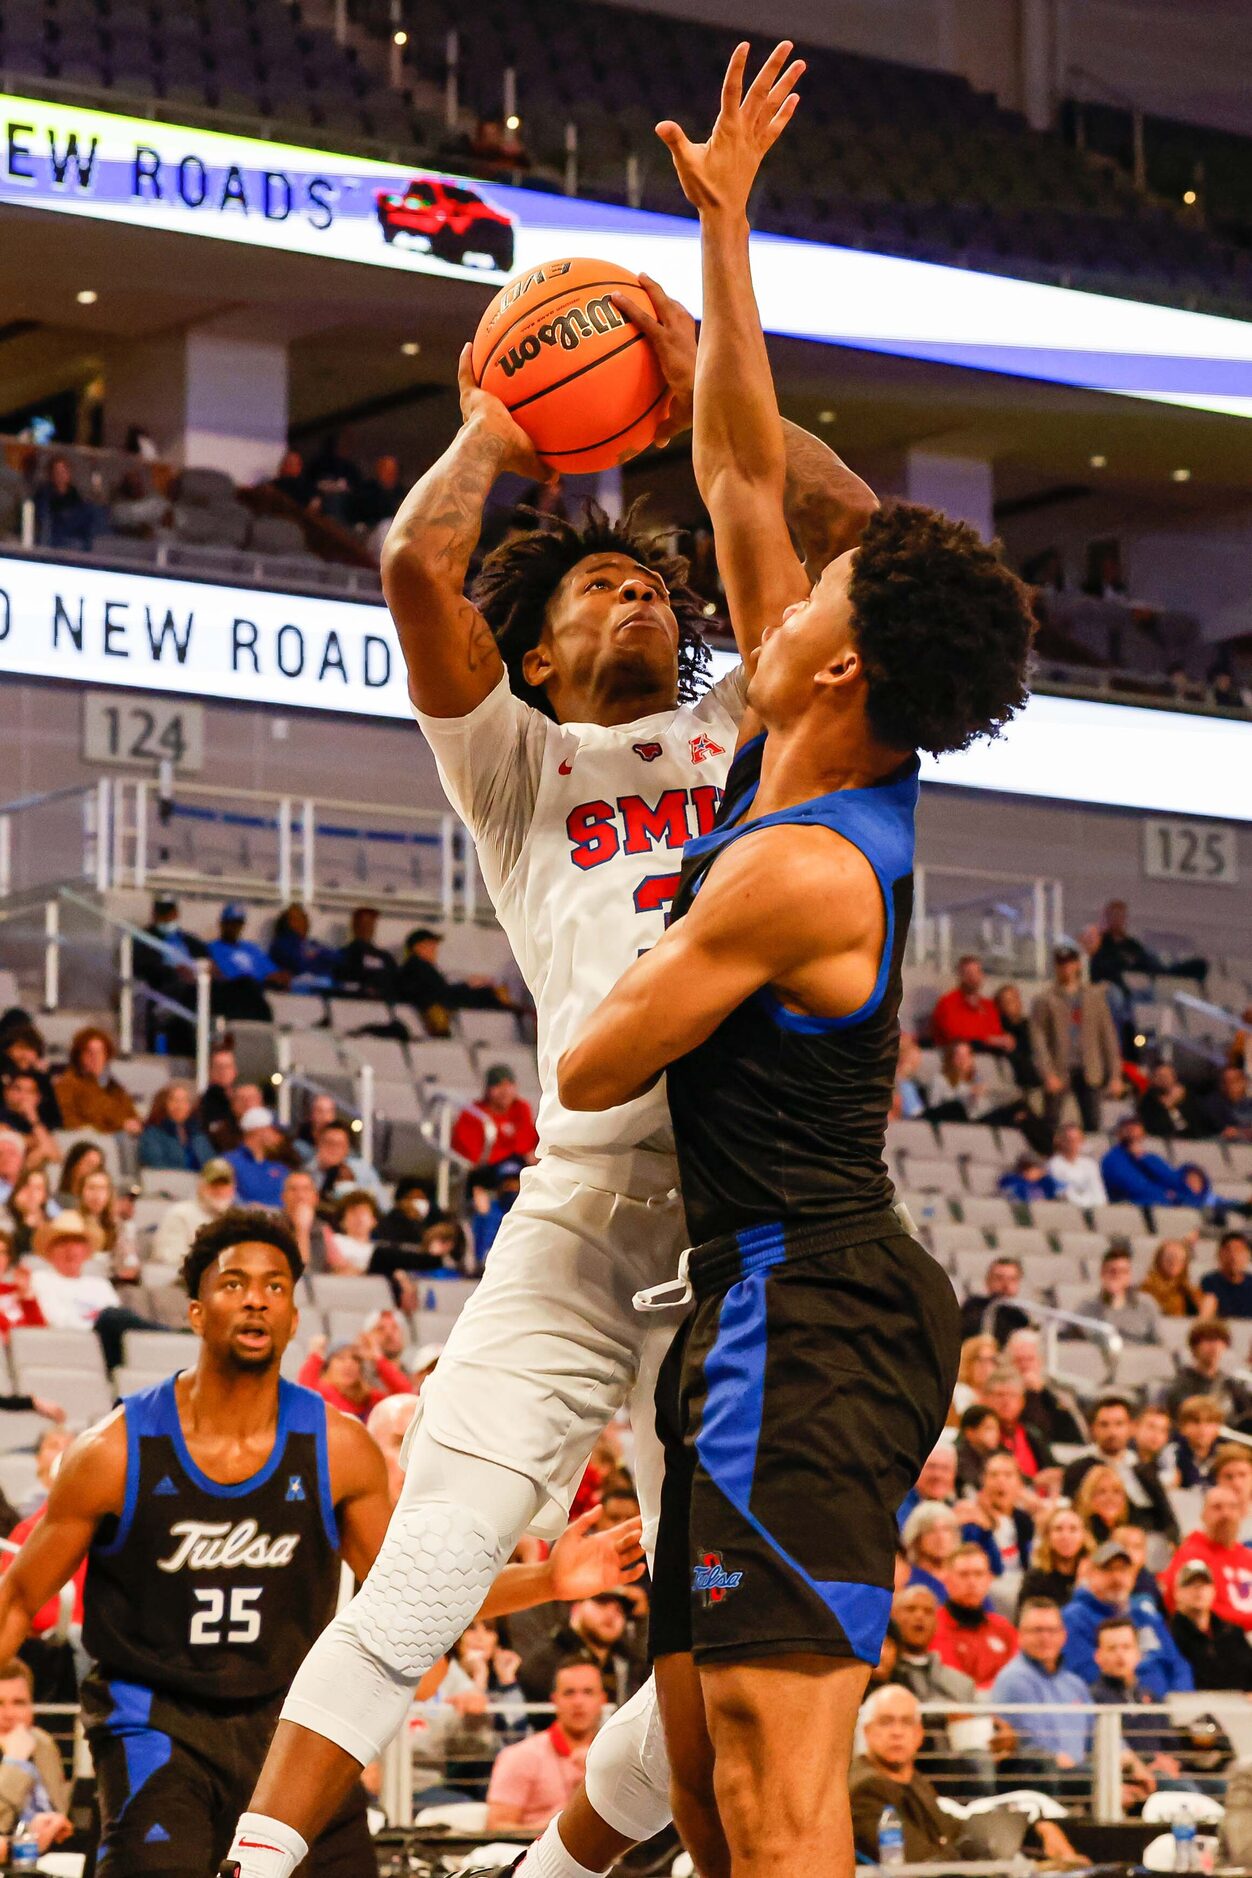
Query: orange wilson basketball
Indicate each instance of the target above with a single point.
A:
(583, 382)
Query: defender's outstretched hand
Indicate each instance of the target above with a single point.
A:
(585, 1562)
(719, 174)
(486, 409)
(672, 332)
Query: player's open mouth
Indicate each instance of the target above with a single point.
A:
(641, 619)
(254, 1335)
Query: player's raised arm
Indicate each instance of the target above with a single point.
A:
(763, 918)
(448, 648)
(740, 453)
(90, 1483)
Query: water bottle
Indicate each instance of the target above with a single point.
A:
(891, 1837)
(1186, 1851)
(23, 1850)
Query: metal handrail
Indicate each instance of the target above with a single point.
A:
(1052, 1316)
(54, 939)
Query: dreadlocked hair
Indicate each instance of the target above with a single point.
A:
(944, 629)
(517, 580)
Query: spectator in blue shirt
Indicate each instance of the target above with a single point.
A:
(1231, 1283)
(1108, 1591)
(1029, 1180)
(1131, 1173)
(258, 1179)
(1035, 1675)
(243, 968)
(170, 1138)
(305, 964)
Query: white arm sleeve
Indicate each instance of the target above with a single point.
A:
(489, 764)
(729, 694)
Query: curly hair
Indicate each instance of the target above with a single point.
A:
(944, 629)
(518, 579)
(240, 1225)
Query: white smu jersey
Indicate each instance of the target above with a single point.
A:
(579, 830)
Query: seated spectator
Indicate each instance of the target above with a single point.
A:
(170, 977)
(137, 509)
(1053, 1411)
(378, 496)
(1154, 1443)
(108, 1226)
(1232, 1467)
(1102, 1502)
(1208, 1344)
(1219, 1652)
(1135, 1541)
(532, 1780)
(87, 1093)
(337, 1171)
(338, 1373)
(1166, 1108)
(998, 1523)
(980, 1355)
(72, 1298)
(908, 1100)
(214, 1115)
(1200, 1421)
(22, 1113)
(969, 1636)
(919, 1667)
(1108, 1591)
(50, 1447)
(1132, 1173)
(937, 1481)
(292, 479)
(64, 518)
(243, 969)
(499, 1126)
(1076, 1174)
(34, 1790)
(1151, 1747)
(931, 1535)
(83, 1158)
(1231, 1284)
(17, 1306)
(1062, 1543)
(1169, 1283)
(886, 1774)
(356, 1217)
(1005, 1393)
(1217, 1544)
(964, 1015)
(978, 1436)
(322, 1110)
(170, 1138)
(958, 1093)
(30, 1206)
(303, 963)
(1227, 1112)
(486, 1214)
(1035, 1676)
(1029, 1180)
(991, 1310)
(299, 1205)
(1074, 1040)
(22, 1053)
(179, 1224)
(12, 1162)
(1016, 1026)
(259, 1175)
(364, 969)
(1118, 954)
(421, 983)
(333, 479)
(1112, 1424)
(411, 1211)
(598, 1628)
(1119, 1303)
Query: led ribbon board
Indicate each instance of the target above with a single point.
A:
(281, 197)
(198, 640)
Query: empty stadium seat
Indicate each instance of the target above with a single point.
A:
(948, 1242)
(932, 1175)
(85, 1396)
(157, 1353)
(990, 1213)
(37, 1349)
(20, 1429)
(1118, 1219)
(18, 1477)
(358, 1292)
(1143, 1366)
(1057, 1216)
(1174, 1222)
(1085, 1362)
(294, 1012)
(973, 1140)
(1090, 1247)
(1022, 1241)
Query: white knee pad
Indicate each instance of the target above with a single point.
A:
(627, 1772)
(436, 1566)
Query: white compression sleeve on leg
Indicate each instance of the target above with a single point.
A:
(548, 1858)
(627, 1772)
(455, 1524)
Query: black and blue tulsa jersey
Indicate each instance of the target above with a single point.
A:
(205, 1591)
(779, 1115)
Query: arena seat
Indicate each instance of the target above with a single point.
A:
(932, 1174)
(1022, 1242)
(19, 1478)
(1119, 1219)
(1057, 1216)
(155, 1353)
(1174, 1332)
(20, 1429)
(1143, 1366)
(293, 1011)
(32, 1348)
(1175, 1222)
(1090, 1247)
(358, 1292)
(84, 1395)
(971, 1140)
(951, 1243)
(990, 1213)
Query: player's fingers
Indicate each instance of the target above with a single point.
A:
(674, 138)
(585, 1521)
(627, 1532)
(763, 83)
(781, 119)
(465, 369)
(646, 322)
(635, 1573)
(786, 84)
(656, 293)
(732, 84)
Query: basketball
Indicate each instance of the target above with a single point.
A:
(581, 380)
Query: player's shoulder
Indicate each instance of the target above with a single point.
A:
(92, 1472)
(355, 1458)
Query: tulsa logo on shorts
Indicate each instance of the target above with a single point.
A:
(711, 1578)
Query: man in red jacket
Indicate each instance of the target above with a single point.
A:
(968, 1636)
(1217, 1545)
(499, 1126)
(963, 1015)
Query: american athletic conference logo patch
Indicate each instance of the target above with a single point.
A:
(703, 747)
(711, 1579)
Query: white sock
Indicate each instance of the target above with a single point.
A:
(548, 1858)
(266, 1848)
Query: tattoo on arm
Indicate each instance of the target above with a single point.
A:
(442, 516)
(826, 503)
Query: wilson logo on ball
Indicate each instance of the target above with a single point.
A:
(568, 330)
